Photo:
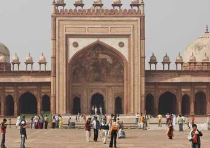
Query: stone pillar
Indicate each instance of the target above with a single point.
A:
(179, 101)
(39, 99)
(16, 100)
(156, 99)
(192, 99)
(142, 65)
(208, 99)
(3, 101)
(53, 63)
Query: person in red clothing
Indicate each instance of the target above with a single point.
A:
(3, 131)
(88, 129)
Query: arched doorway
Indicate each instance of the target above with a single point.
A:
(105, 68)
(150, 104)
(200, 103)
(9, 106)
(167, 103)
(98, 101)
(27, 104)
(45, 103)
(76, 107)
(185, 105)
(118, 106)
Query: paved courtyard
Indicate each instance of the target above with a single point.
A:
(75, 138)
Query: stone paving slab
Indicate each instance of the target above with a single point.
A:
(75, 138)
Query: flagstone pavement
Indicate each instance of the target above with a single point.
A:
(75, 138)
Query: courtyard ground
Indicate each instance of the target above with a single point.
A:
(75, 138)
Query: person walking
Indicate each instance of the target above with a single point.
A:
(141, 118)
(3, 131)
(41, 121)
(88, 129)
(170, 129)
(56, 121)
(60, 122)
(187, 121)
(23, 134)
(36, 119)
(18, 121)
(194, 137)
(104, 130)
(180, 122)
(53, 122)
(46, 121)
(96, 126)
(159, 117)
(114, 131)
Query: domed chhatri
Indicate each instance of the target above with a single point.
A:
(29, 59)
(153, 59)
(97, 1)
(42, 59)
(192, 58)
(199, 48)
(205, 58)
(179, 58)
(117, 2)
(15, 59)
(135, 1)
(78, 1)
(166, 59)
(5, 52)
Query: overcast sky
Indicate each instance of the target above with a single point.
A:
(170, 25)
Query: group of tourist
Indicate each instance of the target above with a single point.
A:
(142, 121)
(111, 126)
(57, 121)
(39, 122)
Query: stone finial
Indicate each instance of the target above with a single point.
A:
(117, 3)
(153, 58)
(29, 59)
(166, 59)
(207, 29)
(192, 58)
(97, 3)
(179, 58)
(79, 3)
(15, 59)
(135, 3)
(59, 3)
(205, 58)
(42, 59)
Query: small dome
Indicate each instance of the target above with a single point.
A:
(97, 1)
(166, 59)
(5, 51)
(15, 59)
(153, 58)
(179, 58)
(2, 59)
(205, 58)
(29, 59)
(42, 59)
(117, 2)
(192, 58)
(199, 47)
(135, 1)
(78, 1)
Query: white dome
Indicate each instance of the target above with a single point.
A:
(97, 1)
(5, 52)
(199, 48)
(135, 1)
(42, 59)
(29, 59)
(78, 1)
(15, 59)
(205, 58)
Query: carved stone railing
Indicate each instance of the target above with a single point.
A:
(98, 12)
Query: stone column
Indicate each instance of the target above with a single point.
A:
(156, 99)
(16, 99)
(142, 65)
(179, 101)
(192, 98)
(208, 99)
(3, 102)
(53, 62)
(39, 99)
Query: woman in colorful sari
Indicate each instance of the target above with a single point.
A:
(170, 129)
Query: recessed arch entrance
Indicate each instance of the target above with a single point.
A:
(118, 105)
(76, 106)
(105, 69)
(45, 103)
(27, 104)
(167, 103)
(97, 101)
(185, 105)
(9, 106)
(200, 103)
(150, 104)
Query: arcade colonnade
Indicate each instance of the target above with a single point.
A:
(24, 99)
(177, 99)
